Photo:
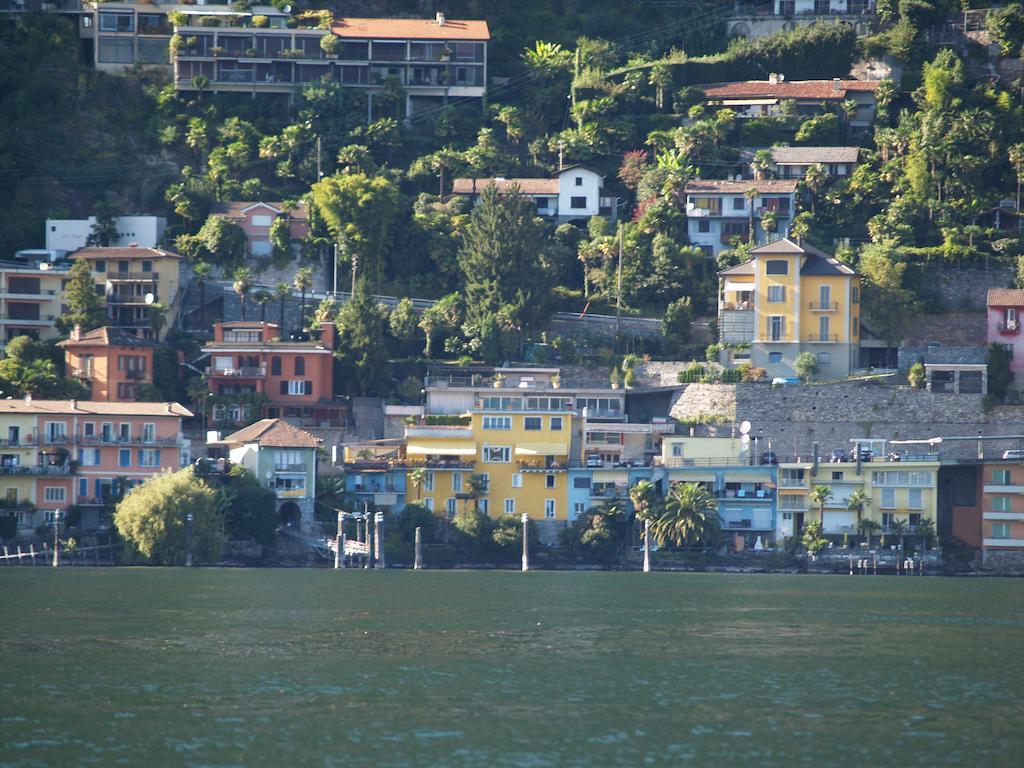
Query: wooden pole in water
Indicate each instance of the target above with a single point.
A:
(32, 552)
(647, 546)
(56, 540)
(19, 554)
(417, 562)
(339, 543)
(378, 539)
(526, 541)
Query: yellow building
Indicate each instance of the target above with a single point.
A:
(904, 490)
(788, 299)
(18, 465)
(31, 294)
(131, 278)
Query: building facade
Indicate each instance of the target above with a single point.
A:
(66, 235)
(112, 361)
(719, 212)
(1005, 308)
(794, 162)
(31, 298)
(256, 218)
(788, 299)
(1002, 516)
(768, 17)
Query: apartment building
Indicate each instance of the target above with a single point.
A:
(719, 212)
(31, 292)
(66, 235)
(282, 457)
(257, 217)
(1002, 523)
(431, 60)
(254, 373)
(788, 299)
(768, 17)
(60, 453)
(1005, 310)
(574, 194)
(112, 361)
(132, 278)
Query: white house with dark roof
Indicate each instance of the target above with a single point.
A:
(718, 211)
(793, 162)
(575, 193)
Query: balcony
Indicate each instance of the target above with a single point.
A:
(618, 492)
(149, 277)
(290, 468)
(135, 375)
(543, 466)
(743, 494)
(33, 321)
(35, 469)
(127, 299)
(242, 372)
(800, 483)
(831, 306)
(82, 373)
(1009, 327)
(114, 441)
(16, 295)
(822, 338)
(438, 463)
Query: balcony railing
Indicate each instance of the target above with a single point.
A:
(823, 338)
(1009, 327)
(128, 298)
(289, 467)
(35, 469)
(147, 276)
(440, 463)
(830, 306)
(116, 441)
(763, 494)
(135, 375)
(245, 371)
(82, 373)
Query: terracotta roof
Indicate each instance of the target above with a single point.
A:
(411, 29)
(817, 263)
(796, 89)
(764, 186)
(97, 408)
(274, 433)
(809, 155)
(745, 268)
(109, 337)
(1005, 297)
(526, 186)
(238, 208)
(128, 252)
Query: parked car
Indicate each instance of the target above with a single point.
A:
(594, 461)
(1014, 454)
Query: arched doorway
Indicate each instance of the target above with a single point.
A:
(290, 515)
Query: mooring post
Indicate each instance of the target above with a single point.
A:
(188, 536)
(378, 539)
(56, 539)
(19, 555)
(874, 565)
(32, 552)
(647, 546)
(526, 541)
(339, 543)
(851, 563)
(417, 562)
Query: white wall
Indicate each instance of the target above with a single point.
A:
(70, 234)
(590, 187)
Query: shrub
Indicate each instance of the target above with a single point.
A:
(260, 21)
(751, 374)
(692, 374)
(806, 365)
(916, 376)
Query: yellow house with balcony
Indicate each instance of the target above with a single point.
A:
(787, 299)
(31, 298)
(18, 464)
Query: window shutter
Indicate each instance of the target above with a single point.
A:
(309, 387)
(284, 387)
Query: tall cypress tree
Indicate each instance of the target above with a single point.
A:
(84, 306)
(362, 347)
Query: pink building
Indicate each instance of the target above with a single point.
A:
(1005, 308)
(256, 218)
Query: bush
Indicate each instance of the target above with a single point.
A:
(250, 512)
(916, 376)
(806, 365)
(8, 526)
(692, 374)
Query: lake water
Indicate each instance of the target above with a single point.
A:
(352, 668)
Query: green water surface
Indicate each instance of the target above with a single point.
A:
(153, 667)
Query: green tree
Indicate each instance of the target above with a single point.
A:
(402, 321)
(857, 502)
(224, 240)
(262, 299)
(916, 376)
(762, 164)
(821, 495)
(27, 368)
(677, 323)
(806, 365)
(250, 510)
(84, 306)
(442, 317)
(1000, 377)
(303, 282)
(888, 305)
(362, 350)
(500, 258)
(688, 518)
(417, 477)
(867, 529)
(241, 283)
(151, 520)
(812, 538)
(104, 229)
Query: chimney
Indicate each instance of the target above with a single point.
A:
(76, 332)
(773, 78)
(327, 334)
(28, 397)
(837, 84)
(169, 409)
(439, 18)
(74, 405)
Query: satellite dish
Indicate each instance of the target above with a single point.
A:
(745, 441)
(269, 474)
(744, 427)
(150, 298)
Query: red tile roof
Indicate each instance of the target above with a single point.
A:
(763, 186)
(108, 337)
(237, 209)
(411, 29)
(274, 433)
(97, 408)
(1005, 297)
(526, 186)
(127, 252)
(797, 89)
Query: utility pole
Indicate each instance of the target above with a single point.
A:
(526, 541)
(56, 539)
(618, 290)
(339, 551)
(647, 546)
(319, 172)
(188, 540)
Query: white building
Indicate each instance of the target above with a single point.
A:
(66, 235)
(794, 162)
(575, 193)
(719, 211)
(768, 17)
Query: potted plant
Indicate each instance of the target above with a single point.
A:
(629, 378)
(250, 52)
(329, 45)
(217, 50)
(260, 21)
(177, 18)
(556, 381)
(616, 377)
(499, 381)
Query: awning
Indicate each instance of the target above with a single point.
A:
(751, 476)
(619, 477)
(747, 102)
(691, 476)
(733, 285)
(450, 449)
(542, 449)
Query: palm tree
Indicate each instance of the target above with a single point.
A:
(262, 298)
(821, 495)
(303, 282)
(417, 477)
(1016, 153)
(899, 530)
(660, 77)
(690, 516)
(281, 292)
(856, 503)
(867, 528)
(762, 163)
(751, 195)
(201, 270)
(926, 530)
(644, 498)
(242, 283)
(815, 179)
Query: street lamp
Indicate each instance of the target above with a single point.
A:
(56, 537)
(188, 536)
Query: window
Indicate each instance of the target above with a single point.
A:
(855, 325)
(497, 422)
(776, 293)
(89, 457)
(1001, 504)
(517, 480)
(824, 358)
(888, 498)
(296, 387)
(497, 454)
(837, 475)
(549, 509)
(286, 460)
(101, 266)
(457, 482)
(549, 481)
(737, 203)
(579, 181)
(449, 507)
(153, 24)
(774, 358)
(51, 493)
(149, 433)
(428, 504)
(578, 202)
(116, 50)
(578, 508)
(823, 329)
(124, 457)
(556, 423)
(148, 457)
(581, 482)
(542, 204)
(485, 506)
(300, 366)
(124, 433)
(117, 22)
(914, 500)
(855, 295)
(1000, 530)
(428, 482)
(703, 226)
(776, 267)
(776, 327)
(262, 220)
(1000, 477)
(825, 296)
(677, 450)
(510, 506)
(532, 423)
(275, 366)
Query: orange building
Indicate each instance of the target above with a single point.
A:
(253, 373)
(1002, 523)
(112, 361)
